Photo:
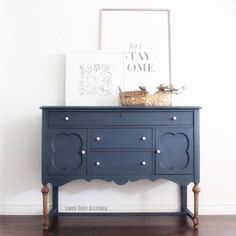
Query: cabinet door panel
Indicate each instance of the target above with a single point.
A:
(174, 151)
(65, 148)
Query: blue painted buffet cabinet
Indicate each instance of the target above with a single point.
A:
(120, 144)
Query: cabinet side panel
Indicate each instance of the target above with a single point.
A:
(44, 146)
(196, 147)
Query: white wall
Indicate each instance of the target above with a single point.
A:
(34, 37)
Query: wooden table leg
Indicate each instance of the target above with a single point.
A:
(45, 191)
(196, 191)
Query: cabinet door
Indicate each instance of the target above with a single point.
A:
(174, 150)
(67, 151)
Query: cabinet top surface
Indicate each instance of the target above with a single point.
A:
(120, 107)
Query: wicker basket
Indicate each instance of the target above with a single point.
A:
(133, 98)
(143, 98)
(159, 98)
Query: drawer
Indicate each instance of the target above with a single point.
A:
(120, 138)
(120, 163)
(149, 117)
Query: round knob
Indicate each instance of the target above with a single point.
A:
(98, 138)
(83, 152)
(144, 138)
(98, 163)
(143, 163)
(67, 118)
(174, 118)
(158, 151)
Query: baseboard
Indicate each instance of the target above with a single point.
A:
(20, 209)
(36, 209)
(217, 209)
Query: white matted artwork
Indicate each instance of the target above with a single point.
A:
(93, 78)
(144, 36)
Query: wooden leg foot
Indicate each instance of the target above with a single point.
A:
(196, 191)
(45, 191)
(45, 224)
(195, 227)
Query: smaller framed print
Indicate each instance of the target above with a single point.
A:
(93, 78)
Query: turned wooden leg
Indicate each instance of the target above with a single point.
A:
(196, 191)
(45, 191)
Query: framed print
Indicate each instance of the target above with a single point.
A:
(93, 78)
(144, 36)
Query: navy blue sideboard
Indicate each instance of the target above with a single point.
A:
(120, 144)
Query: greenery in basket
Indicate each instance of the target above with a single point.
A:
(166, 88)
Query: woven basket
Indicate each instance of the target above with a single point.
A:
(133, 98)
(159, 99)
(143, 98)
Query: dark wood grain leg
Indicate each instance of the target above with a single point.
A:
(55, 198)
(196, 190)
(183, 194)
(45, 191)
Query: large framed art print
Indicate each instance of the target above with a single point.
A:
(144, 36)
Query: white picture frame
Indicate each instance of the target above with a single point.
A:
(93, 78)
(144, 36)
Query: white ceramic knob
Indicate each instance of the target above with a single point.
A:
(98, 163)
(98, 138)
(67, 118)
(143, 163)
(83, 152)
(174, 118)
(144, 138)
(158, 151)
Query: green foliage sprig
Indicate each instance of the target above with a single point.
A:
(166, 88)
(170, 88)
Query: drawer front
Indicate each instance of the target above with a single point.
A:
(120, 163)
(120, 118)
(120, 138)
